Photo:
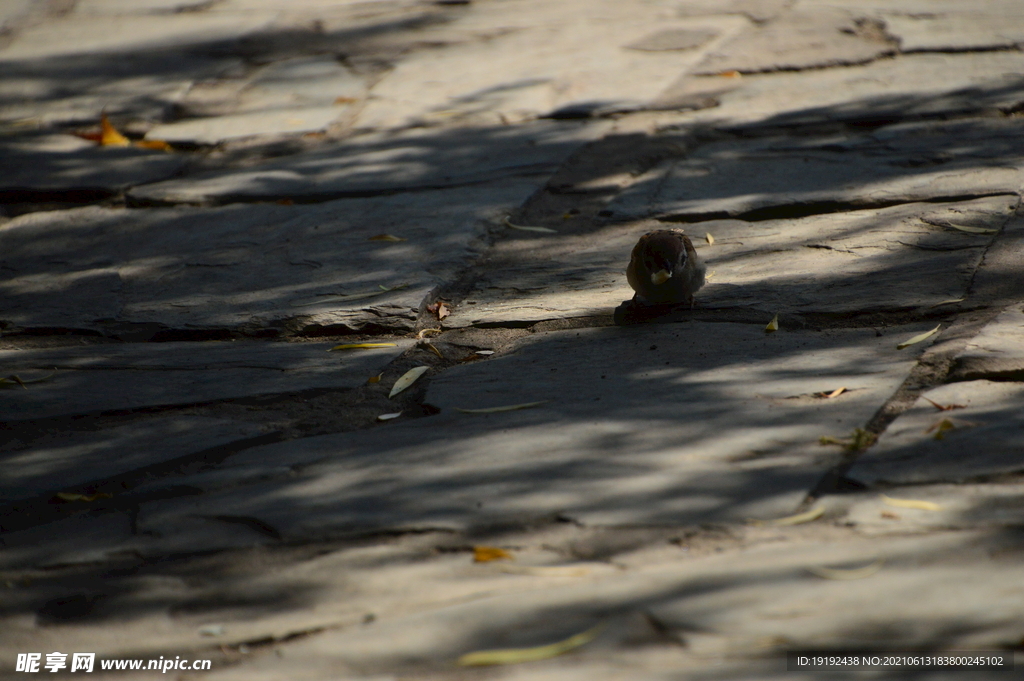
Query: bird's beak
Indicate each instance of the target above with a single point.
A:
(660, 277)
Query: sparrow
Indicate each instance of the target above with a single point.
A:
(664, 269)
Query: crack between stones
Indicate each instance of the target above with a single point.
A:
(811, 208)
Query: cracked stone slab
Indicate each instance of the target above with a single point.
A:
(961, 506)
(76, 89)
(303, 94)
(896, 164)
(981, 438)
(63, 163)
(883, 91)
(244, 266)
(801, 39)
(53, 461)
(941, 25)
(516, 68)
(667, 425)
(732, 614)
(997, 353)
(899, 258)
(135, 376)
(383, 163)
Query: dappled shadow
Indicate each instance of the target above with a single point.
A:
(669, 426)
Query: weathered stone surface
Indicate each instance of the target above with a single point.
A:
(883, 91)
(997, 352)
(134, 376)
(378, 164)
(75, 89)
(520, 72)
(896, 164)
(675, 424)
(60, 163)
(87, 34)
(275, 122)
(672, 39)
(61, 461)
(962, 506)
(925, 445)
(899, 258)
(755, 10)
(957, 31)
(302, 94)
(799, 39)
(244, 266)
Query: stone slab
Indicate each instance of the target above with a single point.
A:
(667, 425)
(960, 506)
(816, 37)
(62, 461)
(122, 377)
(90, 34)
(914, 85)
(985, 441)
(292, 121)
(997, 353)
(75, 89)
(896, 164)
(964, 30)
(61, 163)
(384, 163)
(512, 66)
(245, 266)
(890, 259)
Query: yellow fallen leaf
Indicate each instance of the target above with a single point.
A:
(423, 333)
(799, 518)
(829, 395)
(918, 338)
(858, 441)
(427, 345)
(841, 574)
(386, 237)
(158, 145)
(545, 570)
(374, 379)
(507, 407)
(484, 554)
(773, 325)
(527, 228)
(71, 496)
(730, 74)
(944, 407)
(710, 239)
(406, 380)
(517, 655)
(388, 417)
(947, 302)
(709, 275)
(945, 425)
(110, 137)
(361, 346)
(911, 503)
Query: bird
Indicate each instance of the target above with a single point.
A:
(664, 269)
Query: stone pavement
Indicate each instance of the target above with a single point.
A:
(188, 472)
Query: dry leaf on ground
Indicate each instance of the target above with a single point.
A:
(407, 379)
(484, 554)
(517, 655)
(943, 407)
(773, 325)
(918, 338)
(911, 503)
(110, 137)
(710, 239)
(361, 346)
(527, 228)
(846, 574)
(507, 407)
(799, 518)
